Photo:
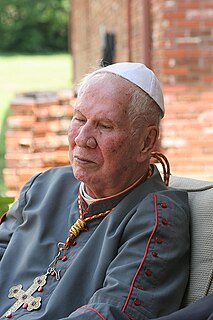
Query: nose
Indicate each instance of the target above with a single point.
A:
(85, 138)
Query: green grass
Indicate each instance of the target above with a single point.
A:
(24, 73)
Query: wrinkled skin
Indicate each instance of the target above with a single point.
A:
(103, 152)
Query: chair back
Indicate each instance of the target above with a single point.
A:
(201, 206)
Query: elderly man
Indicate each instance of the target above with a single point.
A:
(104, 238)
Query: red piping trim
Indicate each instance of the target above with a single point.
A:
(130, 188)
(3, 217)
(96, 311)
(145, 254)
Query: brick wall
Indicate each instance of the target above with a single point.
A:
(36, 138)
(182, 55)
(187, 132)
(176, 40)
(182, 41)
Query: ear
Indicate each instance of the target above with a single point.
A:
(148, 142)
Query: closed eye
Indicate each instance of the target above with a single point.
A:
(78, 116)
(79, 119)
(105, 126)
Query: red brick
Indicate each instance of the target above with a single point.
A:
(173, 15)
(176, 70)
(21, 121)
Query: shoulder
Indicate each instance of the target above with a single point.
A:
(155, 194)
(174, 198)
(168, 202)
(53, 175)
(59, 180)
(57, 172)
(167, 209)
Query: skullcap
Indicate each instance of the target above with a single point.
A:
(141, 76)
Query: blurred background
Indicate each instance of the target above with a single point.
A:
(46, 46)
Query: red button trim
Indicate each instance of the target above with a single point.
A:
(155, 254)
(137, 302)
(148, 272)
(40, 289)
(163, 204)
(165, 221)
(140, 287)
(64, 258)
(158, 240)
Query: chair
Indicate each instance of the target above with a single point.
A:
(201, 206)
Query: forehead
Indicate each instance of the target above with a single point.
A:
(105, 90)
(110, 79)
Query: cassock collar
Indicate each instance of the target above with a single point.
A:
(103, 204)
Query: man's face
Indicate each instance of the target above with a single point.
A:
(103, 152)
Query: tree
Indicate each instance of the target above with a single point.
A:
(34, 26)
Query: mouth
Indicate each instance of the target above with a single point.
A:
(82, 160)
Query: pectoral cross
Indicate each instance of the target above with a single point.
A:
(25, 298)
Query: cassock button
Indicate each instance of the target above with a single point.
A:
(148, 272)
(155, 254)
(158, 240)
(163, 204)
(137, 302)
(165, 221)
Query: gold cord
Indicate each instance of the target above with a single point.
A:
(80, 223)
(77, 227)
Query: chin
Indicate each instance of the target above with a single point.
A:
(79, 174)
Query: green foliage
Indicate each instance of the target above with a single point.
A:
(34, 26)
(4, 204)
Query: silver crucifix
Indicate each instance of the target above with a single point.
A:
(25, 298)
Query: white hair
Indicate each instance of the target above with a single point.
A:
(143, 110)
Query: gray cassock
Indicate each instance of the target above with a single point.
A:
(131, 264)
